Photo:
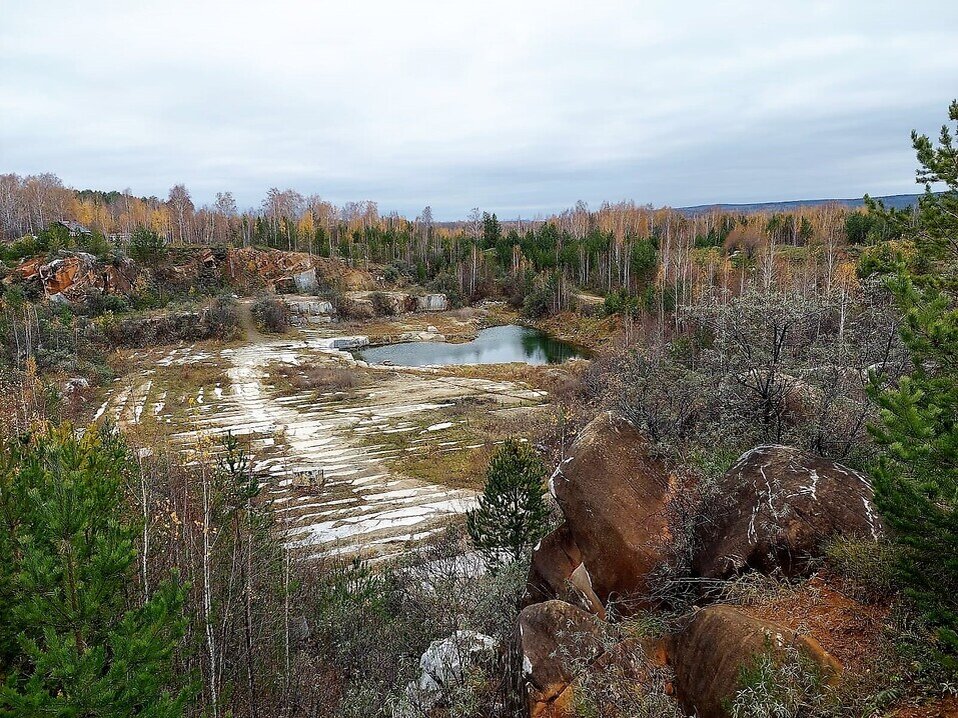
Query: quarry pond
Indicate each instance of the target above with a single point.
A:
(496, 345)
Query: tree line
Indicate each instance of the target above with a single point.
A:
(644, 257)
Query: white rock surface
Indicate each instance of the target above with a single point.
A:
(432, 303)
(421, 337)
(310, 307)
(444, 666)
(361, 505)
(306, 280)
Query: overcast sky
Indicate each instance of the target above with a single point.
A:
(518, 107)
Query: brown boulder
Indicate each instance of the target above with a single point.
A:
(709, 654)
(774, 508)
(557, 572)
(556, 642)
(615, 498)
(630, 674)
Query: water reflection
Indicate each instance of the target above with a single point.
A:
(497, 345)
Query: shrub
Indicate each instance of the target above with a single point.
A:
(392, 274)
(271, 314)
(26, 246)
(620, 302)
(221, 318)
(659, 395)
(382, 305)
(615, 693)
(448, 284)
(772, 686)
(73, 634)
(538, 303)
(787, 686)
(96, 303)
(870, 565)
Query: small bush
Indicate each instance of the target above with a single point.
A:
(448, 284)
(784, 686)
(868, 564)
(271, 314)
(619, 301)
(96, 303)
(382, 304)
(319, 377)
(392, 274)
(146, 245)
(221, 318)
(538, 303)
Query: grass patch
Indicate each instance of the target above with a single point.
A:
(181, 384)
(188, 376)
(290, 378)
(462, 469)
(870, 565)
(476, 428)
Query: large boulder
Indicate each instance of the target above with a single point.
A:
(557, 572)
(306, 280)
(630, 674)
(569, 656)
(708, 656)
(556, 642)
(615, 497)
(444, 667)
(773, 510)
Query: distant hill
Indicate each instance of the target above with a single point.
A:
(896, 201)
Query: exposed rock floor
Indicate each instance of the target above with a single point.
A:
(323, 457)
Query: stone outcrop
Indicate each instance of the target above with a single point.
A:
(427, 336)
(709, 654)
(356, 307)
(615, 498)
(306, 281)
(443, 667)
(353, 342)
(557, 572)
(366, 304)
(73, 275)
(556, 643)
(432, 303)
(773, 510)
(307, 310)
(386, 303)
(273, 269)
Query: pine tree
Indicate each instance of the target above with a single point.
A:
(77, 639)
(916, 480)
(512, 514)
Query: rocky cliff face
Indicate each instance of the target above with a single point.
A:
(69, 277)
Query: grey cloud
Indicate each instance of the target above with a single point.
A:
(521, 108)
